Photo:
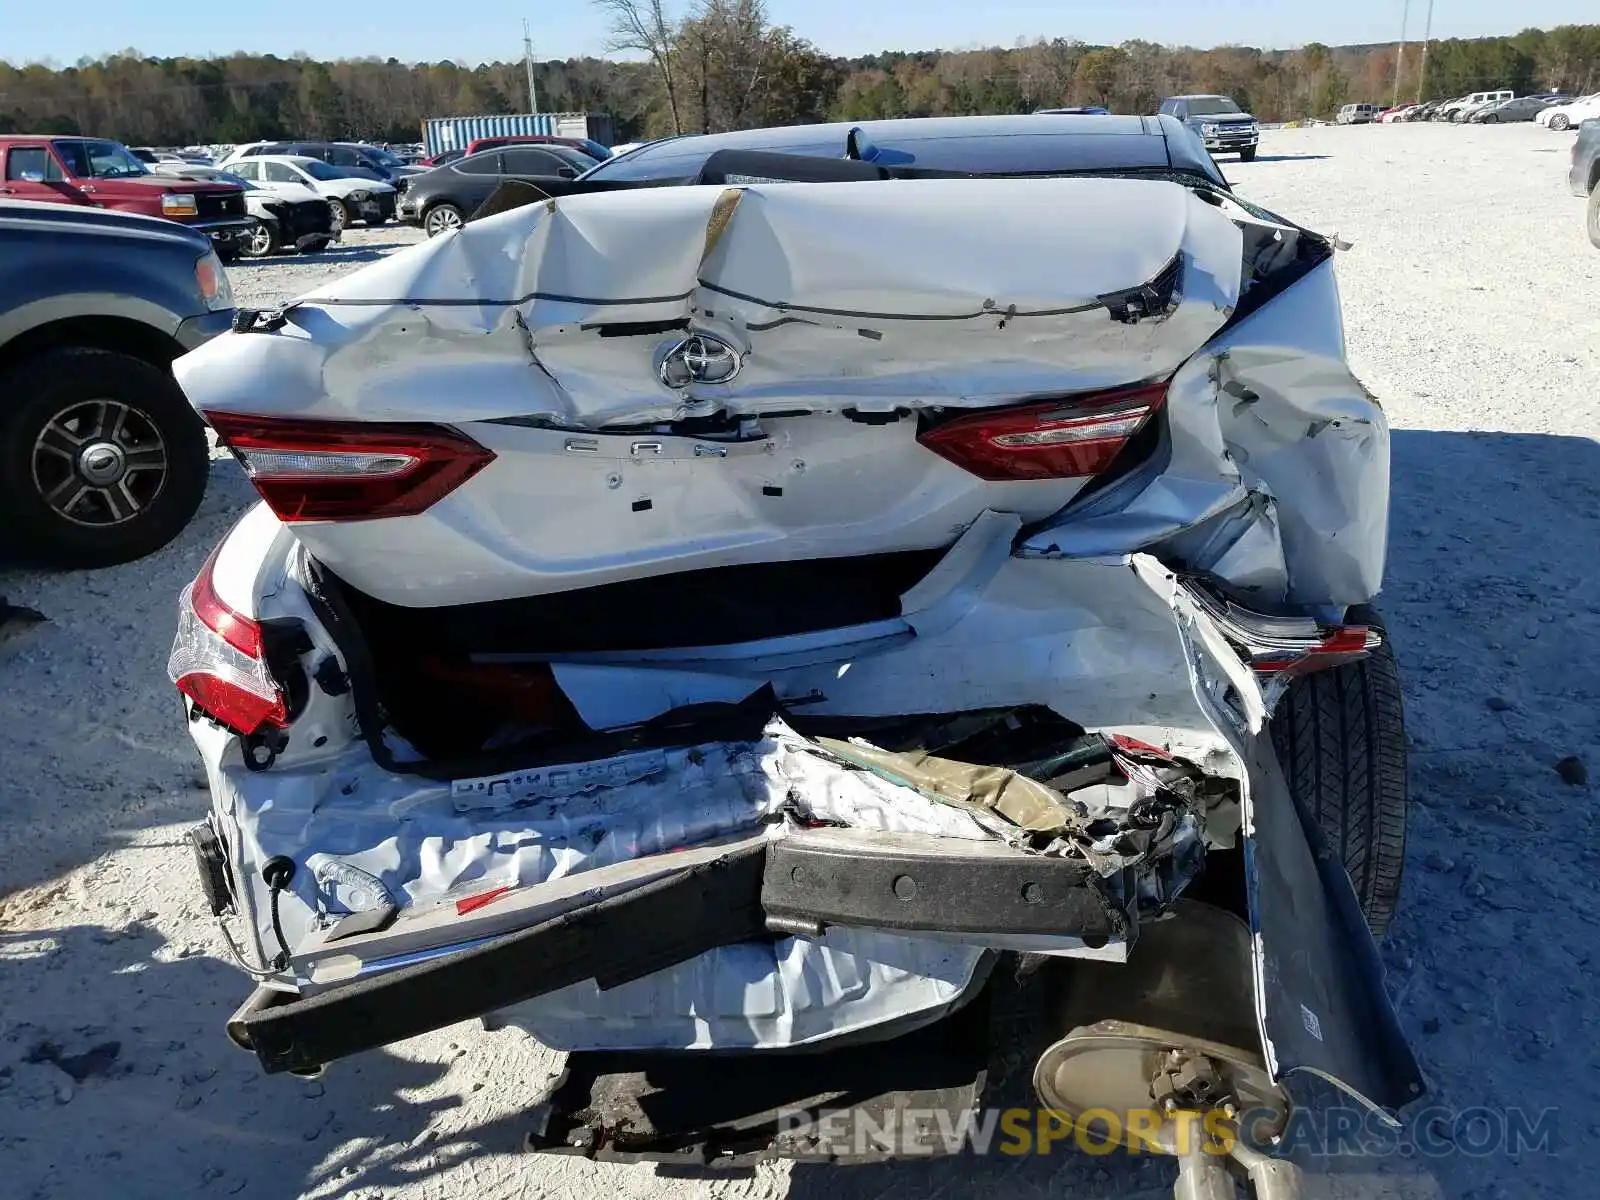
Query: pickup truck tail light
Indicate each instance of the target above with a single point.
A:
(217, 660)
(349, 470)
(1070, 438)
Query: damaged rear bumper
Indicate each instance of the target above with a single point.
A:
(806, 881)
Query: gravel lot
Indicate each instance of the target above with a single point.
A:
(1470, 297)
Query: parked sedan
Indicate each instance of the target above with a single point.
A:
(351, 196)
(445, 197)
(287, 217)
(746, 679)
(1524, 108)
(1570, 113)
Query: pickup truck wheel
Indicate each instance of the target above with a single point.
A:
(1248, 154)
(101, 458)
(1594, 217)
(442, 218)
(341, 215)
(262, 242)
(1340, 737)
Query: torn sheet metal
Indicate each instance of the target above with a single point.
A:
(1277, 475)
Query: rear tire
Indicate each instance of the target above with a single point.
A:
(1341, 740)
(1594, 217)
(1248, 154)
(76, 418)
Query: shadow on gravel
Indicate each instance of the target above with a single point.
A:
(353, 254)
(1493, 603)
(1290, 157)
(135, 1060)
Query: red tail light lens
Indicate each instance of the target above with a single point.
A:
(349, 470)
(216, 660)
(1064, 439)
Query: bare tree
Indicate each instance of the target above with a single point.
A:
(642, 27)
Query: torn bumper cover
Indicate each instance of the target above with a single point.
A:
(809, 880)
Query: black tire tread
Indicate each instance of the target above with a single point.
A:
(31, 387)
(1340, 738)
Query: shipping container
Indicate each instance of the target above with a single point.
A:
(457, 133)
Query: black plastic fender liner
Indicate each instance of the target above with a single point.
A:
(1319, 980)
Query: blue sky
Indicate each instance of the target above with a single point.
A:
(421, 29)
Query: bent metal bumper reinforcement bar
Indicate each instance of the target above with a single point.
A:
(758, 888)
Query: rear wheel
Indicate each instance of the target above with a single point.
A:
(442, 218)
(1594, 217)
(101, 458)
(1340, 737)
(1248, 154)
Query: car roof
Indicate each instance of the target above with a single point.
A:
(1014, 144)
(297, 159)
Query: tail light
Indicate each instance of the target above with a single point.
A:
(349, 470)
(217, 660)
(1065, 439)
(1284, 648)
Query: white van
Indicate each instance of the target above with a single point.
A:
(1481, 100)
(1357, 114)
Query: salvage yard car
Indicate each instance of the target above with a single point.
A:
(902, 599)
(350, 196)
(98, 173)
(286, 218)
(1584, 175)
(101, 458)
(442, 199)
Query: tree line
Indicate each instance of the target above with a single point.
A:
(721, 64)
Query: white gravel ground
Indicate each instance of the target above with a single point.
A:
(1471, 301)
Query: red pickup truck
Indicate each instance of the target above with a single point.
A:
(101, 173)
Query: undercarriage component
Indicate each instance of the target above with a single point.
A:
(843, 877)
(726, 1111)
(1172, 1029)
(1182, 1048)
(899, 882)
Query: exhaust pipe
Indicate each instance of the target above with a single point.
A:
(1173, 1031)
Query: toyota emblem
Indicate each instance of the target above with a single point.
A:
(699, 358)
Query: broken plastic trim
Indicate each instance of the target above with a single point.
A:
(1285, 646)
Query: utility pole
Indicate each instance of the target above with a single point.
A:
(527, 60)
(1400, 54)
(1422, 71)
